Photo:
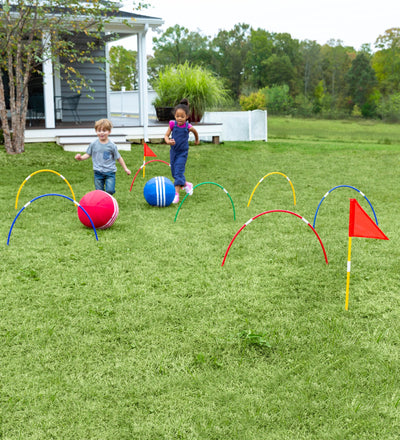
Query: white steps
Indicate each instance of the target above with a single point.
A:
(79, 143)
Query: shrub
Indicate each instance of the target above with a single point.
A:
(254, 101)
(368, 110)
(356, 112)
(278, 99)
(389, 108)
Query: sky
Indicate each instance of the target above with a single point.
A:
(354, 22)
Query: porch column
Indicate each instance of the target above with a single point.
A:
(48, 88)
(108, 80)
(143, 93)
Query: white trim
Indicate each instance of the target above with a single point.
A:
(250, 131)
(266, 126)
(143, 96)
(48, 87)
(118, 24)
(108, 80)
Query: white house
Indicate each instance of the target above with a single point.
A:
(68, 118)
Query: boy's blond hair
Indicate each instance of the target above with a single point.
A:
(105, 124)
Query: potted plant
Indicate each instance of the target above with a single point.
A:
(198, 85)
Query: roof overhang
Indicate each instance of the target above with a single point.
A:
(132, 25)
(121, 22)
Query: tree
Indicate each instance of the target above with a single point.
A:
(311, 65)
(386, 61)
(336, 61)
(361, 80)
(284, 44)
(271, 59)
(38, 31)
(123, 71)
(279, 70)
(178, 45)
(260, 49)
(229, 53)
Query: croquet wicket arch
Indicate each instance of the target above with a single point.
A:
(46, 195)
(269, 174)
(207, 183)
(269, 212)
(43, 171)
(343, 186)
(144, 164)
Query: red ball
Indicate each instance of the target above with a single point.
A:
(101, 207)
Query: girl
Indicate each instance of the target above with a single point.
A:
(179, 142)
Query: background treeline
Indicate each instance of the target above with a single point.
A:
(269, 70)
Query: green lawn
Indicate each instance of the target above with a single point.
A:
(363, 131)
(143, 335)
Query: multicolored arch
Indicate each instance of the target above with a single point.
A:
(144, 164)
(343, 186)
(42, 171)
(268, 212)
(46, 195)
(274, 172)
(209, 183)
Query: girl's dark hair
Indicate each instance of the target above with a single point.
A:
(183, 105)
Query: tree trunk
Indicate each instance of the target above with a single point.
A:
(14, 139)
(19, 71)
(18, 140)
(4, 120)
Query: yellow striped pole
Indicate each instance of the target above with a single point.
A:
(348, 275)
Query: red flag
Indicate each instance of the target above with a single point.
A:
(147, 152)
(361, 224)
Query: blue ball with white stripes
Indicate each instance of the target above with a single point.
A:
(159, 191)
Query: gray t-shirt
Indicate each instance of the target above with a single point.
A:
(103, 156)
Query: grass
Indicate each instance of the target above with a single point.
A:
(143, 335)
(361, 131)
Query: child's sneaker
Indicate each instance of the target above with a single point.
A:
(188, 188)
(176, 198)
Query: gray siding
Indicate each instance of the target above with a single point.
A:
(89, 109)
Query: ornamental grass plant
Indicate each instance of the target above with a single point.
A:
(200, 86)
(143, 335)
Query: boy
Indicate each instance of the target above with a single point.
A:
(104, 153)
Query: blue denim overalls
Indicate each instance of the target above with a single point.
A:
(178, 153)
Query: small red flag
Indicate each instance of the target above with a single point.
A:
(361, 224)
(147, 152)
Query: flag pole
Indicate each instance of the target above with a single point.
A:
(144, 157)
(348, 275)
(147, 153)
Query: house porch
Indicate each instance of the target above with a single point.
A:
(126, 130)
